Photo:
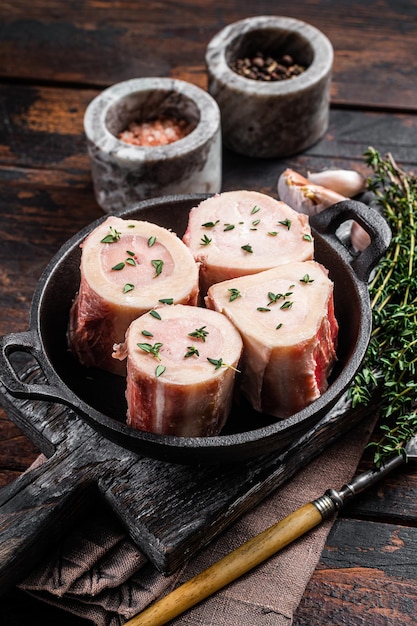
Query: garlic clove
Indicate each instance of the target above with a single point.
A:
(346, 182)
(304, 196)
(359, 237)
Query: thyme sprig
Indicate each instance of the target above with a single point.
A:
(218, 363)
(391, 360)
(199, 333)
(205, 241)
(151, 349)
(112, 237)
(191, 351)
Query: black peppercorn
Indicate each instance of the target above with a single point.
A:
(264, 67)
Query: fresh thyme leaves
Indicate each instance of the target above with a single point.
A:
(199, 333)
(307, 237)
(247, 248)
(128, 287)
(166, 300)
(151, 241)
(112, 237)
(228, 227)
(205, 241)
(234, 294)
(151, 349)
(286, 305)
(191, 351)
(159, 370)
(306, 279)
(216, 362)
(262, 309)
(255, 209)
(286, 223)
(128, 261)
(210, 224)
(154, 349)
(391, 360)
(158, 265)
(274, 297)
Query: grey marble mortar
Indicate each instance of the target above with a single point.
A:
(271, 119)
(123, 173)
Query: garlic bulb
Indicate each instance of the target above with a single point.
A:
(346, 182)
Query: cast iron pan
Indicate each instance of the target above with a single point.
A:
(98, 397)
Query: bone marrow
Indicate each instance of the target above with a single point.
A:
(286, 319)
(238, 233)
(181, 367)
(127, 268)
(268, 313)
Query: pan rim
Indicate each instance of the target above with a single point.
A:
(239, 442)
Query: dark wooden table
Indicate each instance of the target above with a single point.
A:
(54, 58)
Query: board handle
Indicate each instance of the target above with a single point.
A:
(235, 564)
(35, 511)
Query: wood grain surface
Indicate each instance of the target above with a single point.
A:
(54, 58)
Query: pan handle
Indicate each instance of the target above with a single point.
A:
(28, 342)
(329, 220)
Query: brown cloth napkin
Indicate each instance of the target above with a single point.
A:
(99, 574)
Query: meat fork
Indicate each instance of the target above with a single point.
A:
(264, 545)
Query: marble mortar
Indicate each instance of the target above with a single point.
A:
(276, 118)
(124, 174)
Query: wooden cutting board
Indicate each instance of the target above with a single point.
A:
(169, 510)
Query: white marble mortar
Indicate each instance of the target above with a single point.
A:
(271, 119)
(123, 173)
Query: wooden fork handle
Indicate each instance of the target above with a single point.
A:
(231, 566)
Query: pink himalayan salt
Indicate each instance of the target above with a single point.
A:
(159, 132)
